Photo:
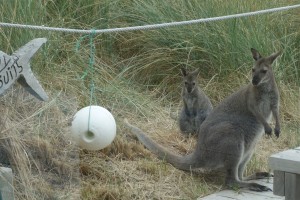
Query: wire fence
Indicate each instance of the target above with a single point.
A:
(151, 26)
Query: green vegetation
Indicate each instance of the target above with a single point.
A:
(137, 76)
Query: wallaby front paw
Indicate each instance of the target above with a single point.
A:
(277, 131)
(268, 130)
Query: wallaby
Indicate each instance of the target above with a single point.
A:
(196, 105)
(228, 136)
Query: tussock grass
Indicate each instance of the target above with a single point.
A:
(37, 147)
(136, 76)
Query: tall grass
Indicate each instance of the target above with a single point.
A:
(137, 76)
(217, 48)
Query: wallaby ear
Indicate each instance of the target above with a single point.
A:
(183, 71)
(256, 55)
(272, 57)
(196, 72)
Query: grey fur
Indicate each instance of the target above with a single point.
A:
(196, 105)
(228, 136)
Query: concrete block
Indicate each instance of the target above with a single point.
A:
(278, 184)
(292, 186)
(286, 166)
(286, 161)
(6, 184)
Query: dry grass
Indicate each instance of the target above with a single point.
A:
(126, 170)
(36, 146)
(47, 165)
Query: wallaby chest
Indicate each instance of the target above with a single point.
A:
(264, 101)
(191, 103)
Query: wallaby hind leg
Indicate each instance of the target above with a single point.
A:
(258, 175)
(201, 116)
(233, 182)
(235, 165)
(186, 125)
(242, 166)
(255, 176)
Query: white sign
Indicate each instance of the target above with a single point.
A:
(17, 68)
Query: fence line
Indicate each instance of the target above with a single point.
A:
(147, 27)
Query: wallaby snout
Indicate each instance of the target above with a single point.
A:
(259, 76)
(189, 86)
(255, 80)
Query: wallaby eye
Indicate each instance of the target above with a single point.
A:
(194, 83)
(186, 83)
(263, 71)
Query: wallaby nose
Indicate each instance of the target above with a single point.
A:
(255, 80)
(189, 89)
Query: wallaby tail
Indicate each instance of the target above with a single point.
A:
(186, 163)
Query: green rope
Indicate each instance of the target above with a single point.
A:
(90, 69)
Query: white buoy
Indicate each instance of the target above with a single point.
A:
(93, 128)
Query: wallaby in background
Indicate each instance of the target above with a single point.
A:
(196, 105)
(228, 136)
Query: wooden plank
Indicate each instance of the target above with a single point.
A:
(278, 184)
(245, 194)
(238, 196)
(232, 195)
(292, 186)
(288, 161)
(266, 182)
(214, 197)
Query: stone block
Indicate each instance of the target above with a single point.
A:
(6, 184)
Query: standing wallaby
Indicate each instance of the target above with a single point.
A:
(196, 105)
(229, 134)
